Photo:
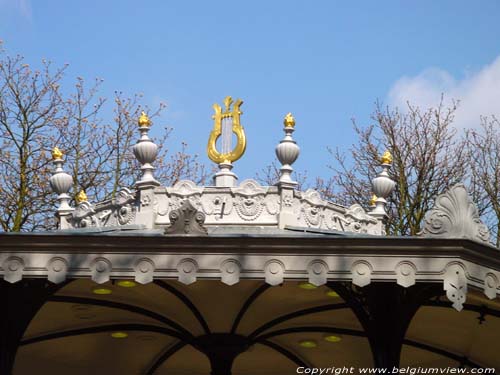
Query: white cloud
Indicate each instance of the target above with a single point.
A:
(478, 92)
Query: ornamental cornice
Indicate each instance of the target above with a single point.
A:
(456, 266)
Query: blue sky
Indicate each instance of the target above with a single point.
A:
(325, 61)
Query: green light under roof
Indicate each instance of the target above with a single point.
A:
(308, 344)
(119, 335)
(332, 294)
(102, 291)
(332, 338)
(307, 286)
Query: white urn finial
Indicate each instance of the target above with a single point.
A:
(61, 182)
(145, 151)
(287, 152)
(382, 187)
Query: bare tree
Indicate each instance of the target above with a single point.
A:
(29, 103)
(427, 158)
(483, 152)
(35, 116)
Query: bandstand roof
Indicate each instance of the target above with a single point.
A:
(144, 276)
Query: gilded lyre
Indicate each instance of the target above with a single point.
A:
(226, 123)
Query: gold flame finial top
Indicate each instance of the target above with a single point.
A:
(81, 197)
(144, 120)
(289, 120)
(56, 153)
(373, 200)
(386, 158)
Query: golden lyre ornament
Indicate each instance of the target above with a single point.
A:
(225, 123)
(386, 158)
(289, 120)
(56, 153)
(373, 200)
(144, 120)
(81, 197)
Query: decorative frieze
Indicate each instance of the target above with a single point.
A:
(455, 274)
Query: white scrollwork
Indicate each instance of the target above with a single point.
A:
(249, 188)
(455, 216)
(312, 214)
(220, 206)
(272, 204)
(249, 200)
(249, 208)
(185, 188)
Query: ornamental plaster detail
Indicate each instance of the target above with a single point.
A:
(230, 271)
(274, 272)
(144, 270)
(361, 273)
(318, 272)
(456, 275)
(186, 220)
(491, 284)
(455, 284)
(187, 271)
(57, 270)
(455, 216)
(101, 269)
(249, 203)
(13, 269)
(406, 272)
(117, 211)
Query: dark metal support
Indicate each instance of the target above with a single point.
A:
(164, 356)
(186, 301)
(221, 350)
(256, 294)
(291, 356)
(105, 328)
(321, 329)
(20, 303)
(459, 358)
(296, 314)
(122, 306)
(385, 310)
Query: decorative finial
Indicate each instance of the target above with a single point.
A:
(145, 151)
(144, 120)
(287, 152)
(81, 197)
(386, 158)
(382, 187)
(373, 200)
(61, 183)
(225, 124)
(56, 154)
(289, 120)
